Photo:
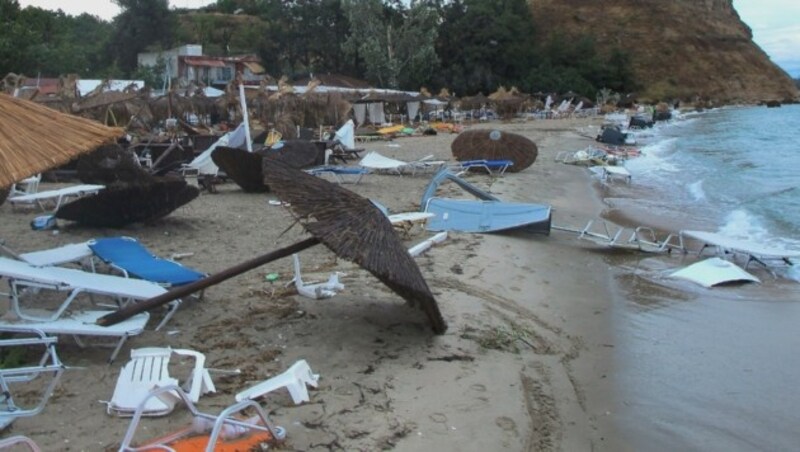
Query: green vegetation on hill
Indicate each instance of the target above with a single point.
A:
(466, 46)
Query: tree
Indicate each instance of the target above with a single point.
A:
(395, 44)
(142, 24)
(484, 44)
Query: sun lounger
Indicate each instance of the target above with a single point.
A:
(340, 174)
(379, 163)
(131, 258)
(491, 166)
(56, 198)
(754, 251)
(609, 173)
(10, 374)
(73, 252)
(22, 275)
(208, 432)
(147, 370)
(82, 324)
(10, 442)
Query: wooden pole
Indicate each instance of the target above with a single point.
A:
(182, 291)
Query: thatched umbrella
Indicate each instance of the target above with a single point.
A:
(495, 145)
(120, 205)
(242, 166)
(245, 167)
(34, 138)
(351, 226)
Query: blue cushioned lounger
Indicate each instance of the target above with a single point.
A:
(132, 258)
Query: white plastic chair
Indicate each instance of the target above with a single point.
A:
(27, 186)
(294, 379)
(149, 369)
(316, 291)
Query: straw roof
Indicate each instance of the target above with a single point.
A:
(490, 144)
(354, 229)
(34, 138)
(120, 205)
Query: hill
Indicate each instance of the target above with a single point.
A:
(679, 48)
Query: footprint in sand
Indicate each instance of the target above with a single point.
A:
(477, 387)
(507, 424)
(439, 418)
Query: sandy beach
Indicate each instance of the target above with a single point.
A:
(525, 364)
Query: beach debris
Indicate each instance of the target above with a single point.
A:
(349, 225)
(149, 368)
(295, 379)
(486, 214)
(427, 244)
(245, 168)
(28, 146)
(225, 431)
(316, 291)
(123, 204)
(492, 144)
(111, 163)
(610, 173)
(714, 271)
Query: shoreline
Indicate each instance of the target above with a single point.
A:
(527, 363)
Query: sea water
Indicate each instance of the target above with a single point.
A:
(711, 369)
(736, 168)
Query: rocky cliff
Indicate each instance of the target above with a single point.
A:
(679, 48)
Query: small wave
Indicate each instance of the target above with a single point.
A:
(696, 190)
(744, 225)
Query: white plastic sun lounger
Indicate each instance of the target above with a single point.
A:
(73, 252)
(712, 272)
(754, 251)
(21, 275)
(55, 197)
(84, 323)
(8, 443)
(48, 363)
(609, 173)
(225, 431)
(377, 162)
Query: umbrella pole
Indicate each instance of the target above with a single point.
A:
(182, 291)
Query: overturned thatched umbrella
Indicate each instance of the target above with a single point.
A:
(34, 138)
(351, 226)
(242, 166)
(245, 167)
(120, 205)
(488, 144)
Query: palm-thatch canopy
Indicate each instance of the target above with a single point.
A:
(34, 138)
(354, 229)
(245, 167)
(123, 204)
(488, 144)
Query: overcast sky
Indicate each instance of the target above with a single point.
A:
(775, 23)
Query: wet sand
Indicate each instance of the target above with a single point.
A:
(528, 362)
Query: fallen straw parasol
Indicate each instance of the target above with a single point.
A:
(489, 144)
(349, 225)
(34, 138)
